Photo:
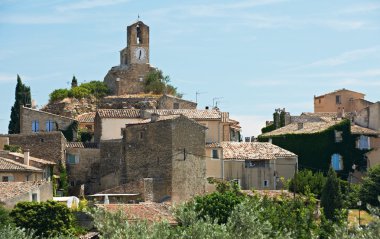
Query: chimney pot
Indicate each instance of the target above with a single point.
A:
(26, 157)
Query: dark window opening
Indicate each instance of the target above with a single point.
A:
(175, 105)
(215, 154)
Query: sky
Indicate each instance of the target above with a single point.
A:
(248, 56)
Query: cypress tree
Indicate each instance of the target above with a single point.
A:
(74, 82)
(331, 199)
(22, 97)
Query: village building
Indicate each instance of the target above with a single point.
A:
(86, 121)
(252, 165)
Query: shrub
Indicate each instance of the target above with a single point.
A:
(13, 148)
(370, 189)
(4, 217)
(307, 181)
(46, 218)
(79, 92)
(58, 94)
(157, 83)
(331, 199)
(96, 88)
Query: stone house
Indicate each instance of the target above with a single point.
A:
(86, 121)
(46, 166)
(12, 171)
(172, 102)
(340, 101)
(13, 192)
(369, 117)
(34, 121)
(252, 165)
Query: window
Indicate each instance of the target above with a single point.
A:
(338, 136)
(49, 125)
(7, 179)
(338, 100)
(47, 173)
(141, 135)
(35, 126)
(175, 105)
(265, 183)
(337, 162)
(34, 197)
(72, 159)
(363, 142)
(215, 154)
(257, 164)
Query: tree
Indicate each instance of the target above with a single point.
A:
(331, 199)
(157, 83)
(63, 179)
(22, 97)
(307, 181)
(74, 82)
(370, 190)
(46, 218)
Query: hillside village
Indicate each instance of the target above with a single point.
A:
(138, 147)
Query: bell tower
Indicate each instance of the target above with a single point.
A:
(137, 50)
(128, 77)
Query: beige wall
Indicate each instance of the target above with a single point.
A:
(213, 168)
(373, 158)
(216, 131)
(3, 141)
(22, 176)
(327, 103)
(111, 127)
(369, 117)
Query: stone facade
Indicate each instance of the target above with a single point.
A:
(369, 117)
(29, 116)
(171, 153)
(3, 141)
(84, 170)
(47, 145)
(171, 102)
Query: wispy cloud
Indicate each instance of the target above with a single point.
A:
(36, 19)
(362, 8)
(357, 82)
(343, 74)
(88, 4)
(4, 77)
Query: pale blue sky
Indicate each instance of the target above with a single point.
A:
(255, 55)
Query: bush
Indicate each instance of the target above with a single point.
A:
(370, 189)
(308, 182)
(157, 83)
(96, 88)
(79, 92)
(58, 94)
(13, 148)
(4, 217)
(46, 218)
(331, 199)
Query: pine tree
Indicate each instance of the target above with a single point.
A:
(331, 199)
(22, 97)
(74, 82)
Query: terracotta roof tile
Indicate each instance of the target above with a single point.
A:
(191, 113)
(10, 190)
(356, 129)
(253, 150)
(152, 212)
(82, 145)
(39, 160)
(119, 113)
(11, 165)
(86, 117)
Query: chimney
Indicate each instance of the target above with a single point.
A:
(270, 140)
(300, 126)
(207, 108)
(26, 157)
(154, 117)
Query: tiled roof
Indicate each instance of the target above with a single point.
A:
(10, 190)
(253, 150)
(152, 212)
(190, 113)
(11, 165)
(119, 113)
(86, 117)
(38, 160)
(48, 113)
(213, 145)
(336, 92)
(356, 129)
(307, 128)
(82, 145)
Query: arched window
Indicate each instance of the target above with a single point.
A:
(337, 162)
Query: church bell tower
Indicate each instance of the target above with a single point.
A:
(137, 50)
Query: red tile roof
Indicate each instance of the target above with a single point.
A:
(119, 113)
(86, 117)
(38, 160)
(10, 190)
(10, 165)
(152, 212)
(88, 145)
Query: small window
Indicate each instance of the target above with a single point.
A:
(337, 162)
(215, 154)
(42, 140)
(338, 136)
(35, 126)
(5, 179)
(250, 164)
(49, 125)
(266, 183)
(34, 197)
(72, 159)
(363, 142)
(72, 183)
(141, 135)
(338, 100)
(176, 105)
(319, 101)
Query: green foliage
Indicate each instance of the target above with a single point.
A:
(156, 83)
(46, 218)
(63, 179)
(370, 190)
(351, 194)
(13, 148)
(268, 128)
(22, 97)
(58, 94)
(331, 199)
(308, 182)
(96, 89)
(4, 217)
(70, 131)
(315, 150)
(84, 135)
(11, 232)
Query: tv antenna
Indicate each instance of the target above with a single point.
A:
(215, 99)
(196, 95)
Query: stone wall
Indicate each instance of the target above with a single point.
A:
(85, 170)
(170, 102)
(369, 117)
(3, 141)
(71, 107)
(28, 115)
(45, 145)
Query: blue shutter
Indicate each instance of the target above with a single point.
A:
(51, 125)
(35, 126)
(335, 162)
(47, 126)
